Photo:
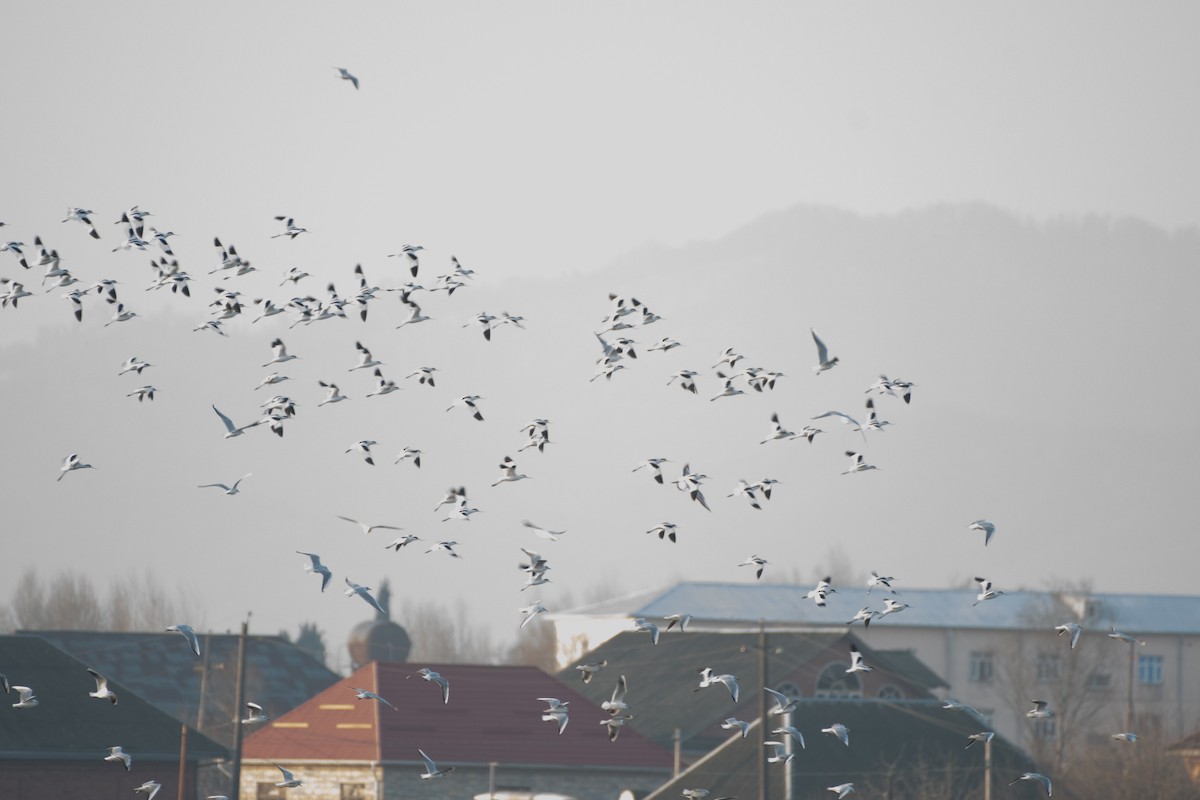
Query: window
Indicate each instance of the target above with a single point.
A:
(354, 791)
(981, 667)
(1045, 730)
(1047, 667)
(1099, 680)
(834, 681)
(1150, 670)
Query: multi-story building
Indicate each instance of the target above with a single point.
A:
(996, 655)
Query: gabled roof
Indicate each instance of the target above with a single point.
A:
(67, 724)
(493, 715)
(165, 672)
(663, 680)
(785, 604)
(905, 735)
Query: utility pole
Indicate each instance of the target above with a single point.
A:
(1129, 697)
(987, 768)
(677, 738)
(763, 794)
(182, 757)
(238, 700)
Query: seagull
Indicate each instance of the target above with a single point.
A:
(1072, 628)
(345, 75)
(783, 704)
(315, 566)
(733, 723)
(431, 769)
(840, 731)
(779, 754)
(469, 402)
(614, 725)
(641, 624)
(333, 393)
(150, 788)
(845, 419)
(755, 561)
(543, 532)
(986, 592)
(363, 694)
(365, 593)
(188, 633)
(866, 614)
(70, 463)
(366, 529)
(364, 446)
(1125, 637)
(681, 620)
(447, 547)
(256, 714)
(1125, 737)
(434, 677)
(532, 611)
(102, 691)
(27, 698)
(842, 789)
(1039, 710)
(707, 678)
(655, 467)
(290, 781)
(232, 430)
(588, 669)
(982, 736)
(824, 362)
(401, 541)
(988, 529)
(271, 379)
(557, 712)
(229, 490)
(950, 702)
(666, 529)
(117, 754)
(290, 229)
(859, 464)
(790, 731)
(616, 703)
(1035, 776)
(856, 660)
(508, 472)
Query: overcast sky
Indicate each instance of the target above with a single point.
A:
(533, 141)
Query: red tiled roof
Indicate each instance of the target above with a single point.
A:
(493, 715)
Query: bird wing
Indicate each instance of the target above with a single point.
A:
(229, 426)
(822, 351)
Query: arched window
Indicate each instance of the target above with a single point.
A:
(834, 681)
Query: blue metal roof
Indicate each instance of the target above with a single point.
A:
(784, 604)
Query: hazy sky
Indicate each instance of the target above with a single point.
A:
(532, 140)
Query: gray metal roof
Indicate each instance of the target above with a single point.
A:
(784, 604)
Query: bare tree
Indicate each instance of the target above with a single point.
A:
(1118, 769)
(1076, 682)
(447, 635)
(70, 601)
(535, 647)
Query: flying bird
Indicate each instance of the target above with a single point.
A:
(735, 724)
(229, 490)
(345, 75)
(290, 781)
(1072, 628)
(150, 788)
(755, 561)
(317, 568)
(363, 446)
(616, 703)
(988, 529)
(366, 529)
(436, 677)
(117, 754)
(857, 463)
(708, 678)
(363, 694)
(256, 714)
(365, 593)
(856, 660)
(102, 691)
(557, 711)
(26, 697)
(1035, 776)
(71, 463)
(824, 362)
(187, 633)
(840, 731)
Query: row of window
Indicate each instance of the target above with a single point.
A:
(981, 669)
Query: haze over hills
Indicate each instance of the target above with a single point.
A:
(1053, 370)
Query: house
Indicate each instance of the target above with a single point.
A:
(490, 731)
(57, 748)
(163, 670)
(995, 655)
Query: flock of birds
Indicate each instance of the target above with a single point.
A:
(626, 315)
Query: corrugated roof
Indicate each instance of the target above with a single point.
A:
(68, 724)
(163, 670)
(493, 715)
(933, 608)
(903, 737)
(662, 679)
